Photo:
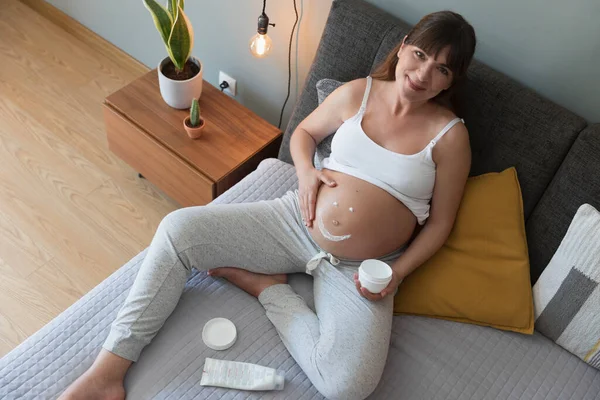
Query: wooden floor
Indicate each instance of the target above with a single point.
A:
(71, 213)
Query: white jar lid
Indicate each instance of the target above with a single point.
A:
(219, 334)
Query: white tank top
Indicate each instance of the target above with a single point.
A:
(409, 178)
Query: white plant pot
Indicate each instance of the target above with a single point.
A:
(179, 94)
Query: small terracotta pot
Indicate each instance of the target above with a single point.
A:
(193, 133)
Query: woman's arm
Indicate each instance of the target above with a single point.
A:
(452, 156)
(323, 121)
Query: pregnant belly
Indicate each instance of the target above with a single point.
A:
(358, 220)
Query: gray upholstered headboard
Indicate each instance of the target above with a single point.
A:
(509, 125)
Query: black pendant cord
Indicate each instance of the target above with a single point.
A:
(289, 65)
(264, 5)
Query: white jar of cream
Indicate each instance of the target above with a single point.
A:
(374, 275)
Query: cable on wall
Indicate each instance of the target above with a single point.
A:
(289, 64)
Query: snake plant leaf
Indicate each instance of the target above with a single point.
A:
(162, 19)
(172, 7)
(181, 40)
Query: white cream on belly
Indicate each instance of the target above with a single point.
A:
(326, 234)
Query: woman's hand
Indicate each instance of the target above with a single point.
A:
(389, 290)
(309, 181)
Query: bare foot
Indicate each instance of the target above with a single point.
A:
(251, 282)
(92, 387)
(102, 381)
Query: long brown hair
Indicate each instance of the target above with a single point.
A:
(433, 33)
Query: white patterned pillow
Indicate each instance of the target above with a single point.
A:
(567, 294)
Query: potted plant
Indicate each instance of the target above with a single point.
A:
(194, 123)
(179, 74)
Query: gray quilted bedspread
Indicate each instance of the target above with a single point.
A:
(428, 358)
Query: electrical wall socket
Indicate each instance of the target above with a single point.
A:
(231, 90)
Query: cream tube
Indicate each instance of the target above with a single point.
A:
(240, 375)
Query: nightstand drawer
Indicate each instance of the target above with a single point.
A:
(155, 162)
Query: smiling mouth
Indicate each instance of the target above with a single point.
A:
(413, 85)
(328, 235)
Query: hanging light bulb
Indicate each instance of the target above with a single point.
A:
(260, 44)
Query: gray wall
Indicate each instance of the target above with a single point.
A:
(222, 31)
(552, 46)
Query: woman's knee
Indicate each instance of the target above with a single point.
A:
(179, 220)
(348, 382)
(177, 215)
(355, 389)
(179, 227)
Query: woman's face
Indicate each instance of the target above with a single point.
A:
(419, 75)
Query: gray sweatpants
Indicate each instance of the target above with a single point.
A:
(342, 348)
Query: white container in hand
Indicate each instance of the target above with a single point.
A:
(374, 275)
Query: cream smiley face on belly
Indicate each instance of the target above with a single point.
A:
(328, 235)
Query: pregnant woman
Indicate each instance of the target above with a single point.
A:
(400, 160)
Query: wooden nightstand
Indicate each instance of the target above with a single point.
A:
(149, 136)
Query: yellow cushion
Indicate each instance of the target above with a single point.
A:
(481, 274)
